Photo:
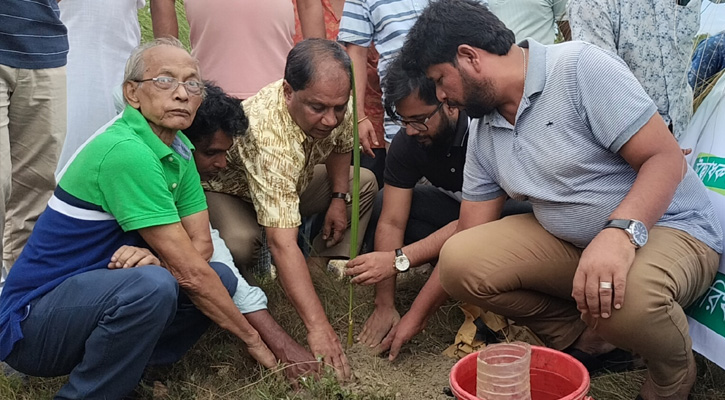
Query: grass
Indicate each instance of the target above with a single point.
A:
(218, 367)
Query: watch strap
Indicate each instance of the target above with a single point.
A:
(338, 195)
(618, 223)
(399, 252)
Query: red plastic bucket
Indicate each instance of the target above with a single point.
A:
(554, 376)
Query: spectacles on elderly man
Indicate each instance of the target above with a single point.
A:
(168, 83)
(418, 125)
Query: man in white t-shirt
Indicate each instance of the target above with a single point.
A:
(102, 34)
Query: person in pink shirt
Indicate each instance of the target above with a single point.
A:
(243, 45)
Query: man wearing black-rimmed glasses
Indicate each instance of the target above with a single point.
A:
(411, 221)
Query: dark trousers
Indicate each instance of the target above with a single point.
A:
(104, 327)
(430, 209)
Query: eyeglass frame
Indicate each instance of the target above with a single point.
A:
(401, 122)
(174, 84)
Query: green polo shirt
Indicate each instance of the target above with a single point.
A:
(129, 173)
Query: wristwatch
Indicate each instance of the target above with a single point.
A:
(402, 263)
(636, 230)
(339, 195)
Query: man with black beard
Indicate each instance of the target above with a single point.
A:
(419, 216)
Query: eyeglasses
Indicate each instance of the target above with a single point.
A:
(168, 83)
(418, 125)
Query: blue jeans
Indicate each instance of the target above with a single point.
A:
(104, 327)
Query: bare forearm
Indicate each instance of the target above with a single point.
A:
(198, 279)
(476, 213)
(359, 57)
(312, 20)
(430, 298)
(296, 281)
(216, 304)
(653, 189)
(427, 249)
(272, 334)
(389, 235)
(338, 171)
(163, 18)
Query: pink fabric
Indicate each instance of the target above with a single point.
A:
(242, 45)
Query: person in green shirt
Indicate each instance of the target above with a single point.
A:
(63, 310)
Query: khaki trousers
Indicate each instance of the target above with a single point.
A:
(236, 219)
(515, 268)
(32, 130)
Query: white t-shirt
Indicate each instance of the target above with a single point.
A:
(101, 34)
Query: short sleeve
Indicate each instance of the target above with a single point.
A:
(614, 105)
(247, 298)
(478, 185)
(134, 189)
(400, 164)
(272, 175)
(190, 198)
(356, 25)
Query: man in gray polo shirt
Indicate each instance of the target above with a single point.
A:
(568, 128)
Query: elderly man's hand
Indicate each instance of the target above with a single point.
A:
(131, 256)
(325, 343)
(335, 222)
(259, 350)
(372, 268)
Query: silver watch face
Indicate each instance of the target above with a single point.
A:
(402, 263)
(639, 233)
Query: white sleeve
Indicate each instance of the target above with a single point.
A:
(247, 298)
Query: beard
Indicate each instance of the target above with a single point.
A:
(478, 97)
(442, 140)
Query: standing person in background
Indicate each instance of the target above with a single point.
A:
(372, 103)
(102, 34)
(368, 21)
(540, 20)
(242, 45)
(33, 55)
(654, 38)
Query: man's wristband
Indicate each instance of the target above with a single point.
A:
(341, 195)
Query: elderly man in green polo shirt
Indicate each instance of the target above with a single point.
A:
(63, 311)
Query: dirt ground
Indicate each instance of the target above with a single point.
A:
(415, 375)
(420, 371)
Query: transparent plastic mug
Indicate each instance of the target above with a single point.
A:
(503, 372)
